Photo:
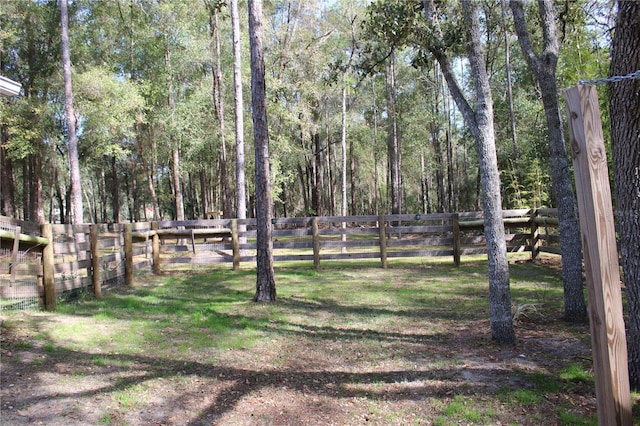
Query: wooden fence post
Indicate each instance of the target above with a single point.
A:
(155, 247)
(383, 240)
(534, 236)
(608, 338)
(14, 254)
(457, 245)
(235, 241)
(48, 277)
(316, 243)
(128, 254)
(95, 262)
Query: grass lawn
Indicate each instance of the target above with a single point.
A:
(350, 344)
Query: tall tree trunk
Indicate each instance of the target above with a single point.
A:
(450, 172)
(6, 179)
(434, 130)
(624, 96)
(204, 205)
(152, 192)
(352, 177)
(378, 187)
(218, 102)
(507, 66)
(74, 162)
(241, 196)
(134, 194)
(265, 283)
(332, 192)
(544, 68)
(393, 139)
(343, 149)
(115, 190)
(424, 188)
(437, 150)
(102, 188)
(26, 189)
(303, 187)
(36, 201)
(59, 188)
(316, 194)
(480, 122)
(175, 145)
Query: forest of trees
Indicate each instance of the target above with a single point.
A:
(356, 122)
(129, 108)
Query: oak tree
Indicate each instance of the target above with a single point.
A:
(624, 104)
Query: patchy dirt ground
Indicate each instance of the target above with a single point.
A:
(314, 387)
(315, 376)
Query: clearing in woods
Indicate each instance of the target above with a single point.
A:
(351, 344)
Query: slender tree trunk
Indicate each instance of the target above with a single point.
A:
(450, 172)
(74, 162)
(202, 176)
(303, 187)
(102, 188)
(6, 179)
(544, 68)
(507, 65)
(434, 130)
(218, 102)
(54, 177)
(316, 195)
(26, 189)
(451, 166)
(378, 187)
(423, 184)
(480, 122)
(265, 283)
(393, 139)
(7, 192)
(115, 191)
(134, 214)
(624, 96)
(59, 188)
(175, 145)
(332, 192)
(241, 197)
(343, 148)
(437, 150)
(36, 201)
(152, 193)
(352, 177)
(177, 181)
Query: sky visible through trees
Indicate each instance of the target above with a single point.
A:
(145, 77)
(362, 115)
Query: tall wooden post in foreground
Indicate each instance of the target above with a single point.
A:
(608, 339)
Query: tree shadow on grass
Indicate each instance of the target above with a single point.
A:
(229, 386)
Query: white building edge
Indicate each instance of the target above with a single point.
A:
(9, 87)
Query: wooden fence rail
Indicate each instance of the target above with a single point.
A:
(50, 260)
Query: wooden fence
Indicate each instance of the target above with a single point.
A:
(34, 272)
